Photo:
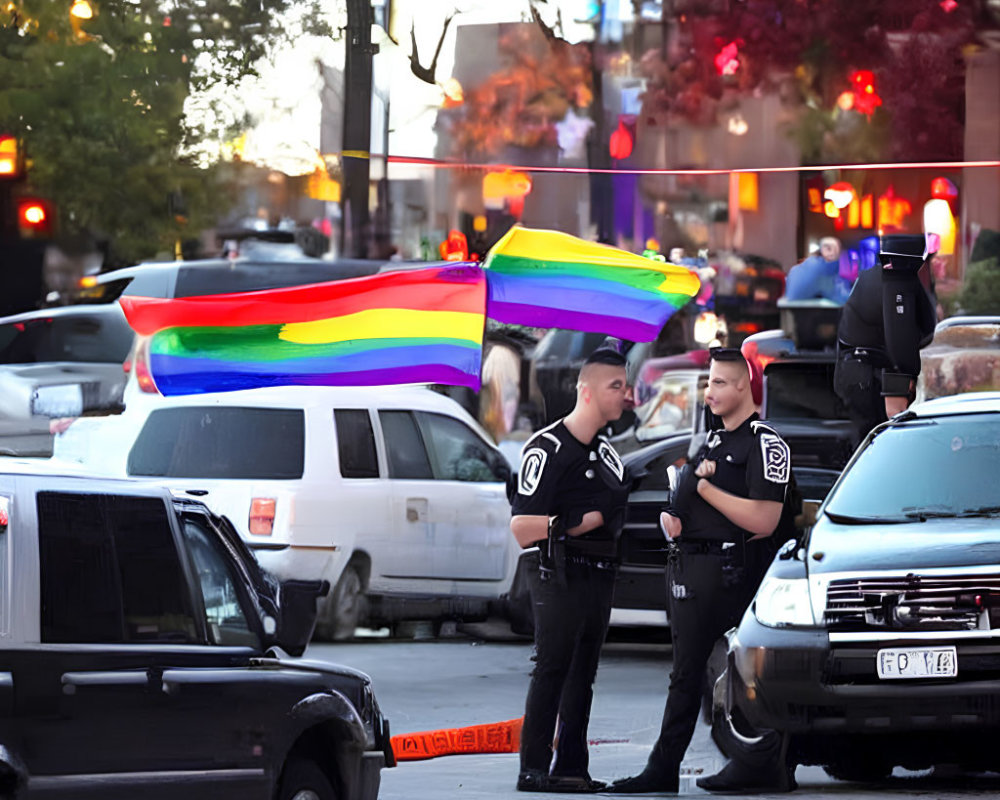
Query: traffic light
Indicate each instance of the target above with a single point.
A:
(34, 218)
(9, 166)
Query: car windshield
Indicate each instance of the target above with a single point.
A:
(938, 467)
(86, 338)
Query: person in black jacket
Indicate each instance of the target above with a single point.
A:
(568, 510)
(890, 314)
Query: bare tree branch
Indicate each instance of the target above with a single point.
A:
(426, 74)
(550, 34)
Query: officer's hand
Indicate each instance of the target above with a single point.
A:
(670, 525)
(706, 469)
(894, 405)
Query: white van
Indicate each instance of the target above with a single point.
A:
(393, 494)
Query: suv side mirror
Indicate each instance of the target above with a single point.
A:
(297, 614)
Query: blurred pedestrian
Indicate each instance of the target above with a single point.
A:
(890, 315)
(818, 276)
(568, 509)
(728, 502)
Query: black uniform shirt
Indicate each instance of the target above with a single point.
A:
(561, 476)
(751, 461)
(892, 313)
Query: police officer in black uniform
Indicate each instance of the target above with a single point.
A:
(890, 314)
(729, 500)
(570, 505)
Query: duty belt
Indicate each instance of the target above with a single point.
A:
(874, 356)
(589, 561)
(715, 547)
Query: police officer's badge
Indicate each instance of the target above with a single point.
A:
(777, 459)
(532, 467)
(611, 460)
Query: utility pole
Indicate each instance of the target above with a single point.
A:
(355, 224)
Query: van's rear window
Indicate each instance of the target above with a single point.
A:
(220, 442)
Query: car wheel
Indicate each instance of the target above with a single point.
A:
(302, 779)
(859, 769)
(344, 607)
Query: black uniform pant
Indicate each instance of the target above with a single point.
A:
(859, 384)
(702, 608)
(571, 613)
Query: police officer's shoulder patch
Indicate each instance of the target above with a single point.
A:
(776, 457)
(529, 476)
(611, 460)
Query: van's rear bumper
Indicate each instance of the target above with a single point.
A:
(288, 561)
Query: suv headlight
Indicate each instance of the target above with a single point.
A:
(783, 601)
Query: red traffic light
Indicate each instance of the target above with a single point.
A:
(34, 218)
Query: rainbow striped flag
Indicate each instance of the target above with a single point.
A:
(419, 326)
(549, 279)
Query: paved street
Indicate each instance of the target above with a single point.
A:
(452, 682)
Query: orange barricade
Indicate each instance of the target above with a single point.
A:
(496, 737)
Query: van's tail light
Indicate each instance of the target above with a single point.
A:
(143, 373)
(262, 516)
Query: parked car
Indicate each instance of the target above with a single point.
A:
(143, 653)
(396, 495)
(873, 641)
(640, 591)
(59, 362)
(216, 276)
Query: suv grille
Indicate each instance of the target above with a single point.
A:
(913, 602)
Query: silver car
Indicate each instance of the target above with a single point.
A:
(55, 363)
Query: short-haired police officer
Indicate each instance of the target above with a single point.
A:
(570, 502)
(729, 498)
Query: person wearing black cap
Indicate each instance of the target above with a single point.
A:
(728, 501)
(890, 314)
(569, 505)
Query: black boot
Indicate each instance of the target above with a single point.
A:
(649, 781)
(739, 778)
(532, 781)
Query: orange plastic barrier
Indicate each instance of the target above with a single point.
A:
(496, 737)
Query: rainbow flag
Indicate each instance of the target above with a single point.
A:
(419, 326)
(549, 279)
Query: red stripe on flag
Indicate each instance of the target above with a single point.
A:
(433, 289)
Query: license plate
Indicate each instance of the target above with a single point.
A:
(917, 662)
(62, 400)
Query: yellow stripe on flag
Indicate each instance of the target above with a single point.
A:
(387, 323)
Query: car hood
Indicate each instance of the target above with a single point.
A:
(936, 543)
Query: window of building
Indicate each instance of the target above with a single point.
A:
(356, 443)
(225, 617)
(110, 571)
(404, 446)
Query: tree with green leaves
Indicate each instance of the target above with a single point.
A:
(97, 99)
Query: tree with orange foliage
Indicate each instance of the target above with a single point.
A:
(520, 105)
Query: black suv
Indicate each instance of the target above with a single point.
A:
(874, 641)
(144, 653)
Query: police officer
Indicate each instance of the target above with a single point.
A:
(728, 501)
(569, 506)
(890, 314)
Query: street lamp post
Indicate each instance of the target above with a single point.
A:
(357, 128)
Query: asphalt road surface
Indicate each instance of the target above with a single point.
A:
(456, 681)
